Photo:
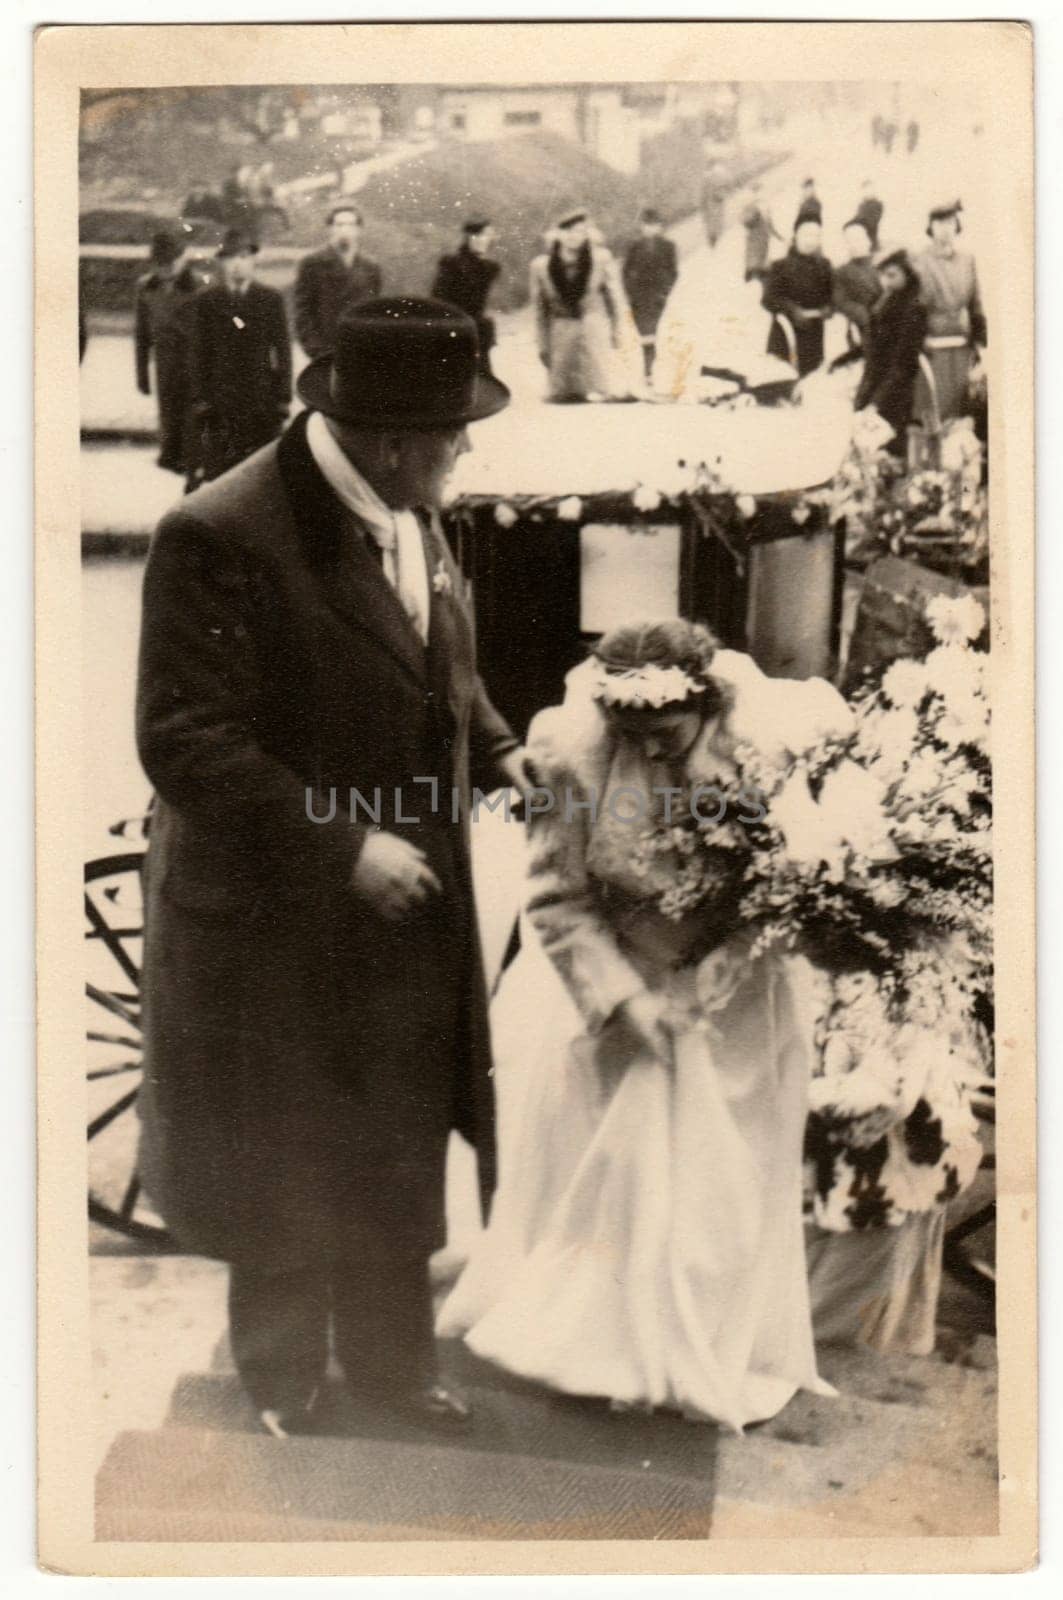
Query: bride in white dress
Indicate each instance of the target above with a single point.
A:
(646, 1241)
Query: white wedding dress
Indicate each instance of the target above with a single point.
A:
(646, 1241)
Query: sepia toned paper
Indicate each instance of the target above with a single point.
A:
(990, 61)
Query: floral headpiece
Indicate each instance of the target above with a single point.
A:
(645, 688)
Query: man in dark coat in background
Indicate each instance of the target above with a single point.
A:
(163, 329)
(869, 212)
(464, 280)
(651, 267)
(314, 1009)
(798, 286)
(331, 280)
(241, 368)
(760, 231)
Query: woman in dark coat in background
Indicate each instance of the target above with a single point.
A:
(892, 346)
(798, 286)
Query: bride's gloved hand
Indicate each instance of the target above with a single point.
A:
(643, 1015)
(393, 875)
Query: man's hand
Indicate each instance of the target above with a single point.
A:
(393, 875)
(644, 1015)
(518, 771)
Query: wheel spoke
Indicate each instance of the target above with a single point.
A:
(110, 939)
(112, 1003)
(113, 1038)
(130, 1198)
(105, 1118)
(114, 1072)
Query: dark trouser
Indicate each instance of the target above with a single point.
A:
(381, 1316)
(224, 441)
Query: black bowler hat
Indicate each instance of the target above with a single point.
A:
(403, 363)
(476, 225)
(237, 242)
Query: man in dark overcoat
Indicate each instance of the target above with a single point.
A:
(164, 318)
(331, 280)
(650, 270)
(465, 278)
(310, 713)
(241, 363)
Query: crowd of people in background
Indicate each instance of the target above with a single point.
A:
(915, 319)
(221, 345)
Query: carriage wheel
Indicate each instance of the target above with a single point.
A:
(114, 1048)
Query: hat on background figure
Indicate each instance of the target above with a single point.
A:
(165, 249)
(475, 225)
(237, 242)
(951, 208)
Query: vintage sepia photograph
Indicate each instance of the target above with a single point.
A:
(551, 627)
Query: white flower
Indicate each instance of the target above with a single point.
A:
(441, 580)
(890, 736)
(955, 673)
(800, 514)
(570, 509)
(887, 893)
(922, 775)
(746, 506)
(905, 683)
(955, 619)
(644, 498)
(959, 446)
(810, 837)
(958, 798)
(851, 801)
(505, 515)
(965, 720)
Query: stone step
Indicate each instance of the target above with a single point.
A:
(193, 1483)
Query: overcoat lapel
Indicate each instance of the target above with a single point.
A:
(337, 544)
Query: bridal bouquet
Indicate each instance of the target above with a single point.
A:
(874, 850)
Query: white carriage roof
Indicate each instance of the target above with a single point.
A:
(556, 450)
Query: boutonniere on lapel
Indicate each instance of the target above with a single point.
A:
(442, 582)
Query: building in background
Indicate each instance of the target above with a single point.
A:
(608, 120)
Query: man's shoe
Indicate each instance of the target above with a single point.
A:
(282, 1424)
(437, 1406)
